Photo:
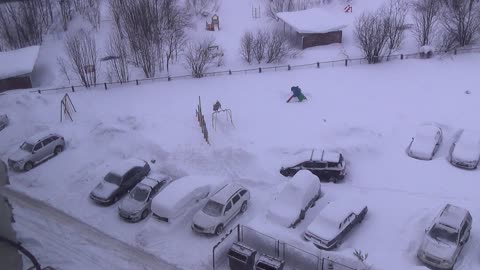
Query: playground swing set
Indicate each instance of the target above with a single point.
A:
(215, 21)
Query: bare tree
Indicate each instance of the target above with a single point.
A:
(277, 48)
(82, 56)
(246, 47)
(425, 16)
(175, 22)
(260, 43)
(199, 56)
(62, 65)
(372, 35)
(394, 15)
(117, 50)
(198, 7)
(461, 21)
(66, 11)
(90, 10)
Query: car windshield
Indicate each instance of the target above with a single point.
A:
(441, 233)
(140, 193)
(113, 178)
(27, 147)
(213, 208)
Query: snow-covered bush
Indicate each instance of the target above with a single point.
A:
(426, 51)
(278, 47)
(260, 43)
(425, 16)
(246, 47)
(200, 55)
(81, 51)
(117, 50)
(394, 14)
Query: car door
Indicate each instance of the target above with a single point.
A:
(236, 205)
(38, 152)
(228, 212)
(128, 180)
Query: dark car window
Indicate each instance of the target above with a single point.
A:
(236, 198)
(47, 141)
(228, 207)
(332, 164)
(37, 147)
(54, 138)
(243, 192)
(463, 230)
(318, 164)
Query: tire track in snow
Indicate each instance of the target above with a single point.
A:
(74, 241)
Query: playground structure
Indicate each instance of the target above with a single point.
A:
(217, 109)
(215, 21)
(66, 108)
(348, 8)
(201, 120)
(297, 93)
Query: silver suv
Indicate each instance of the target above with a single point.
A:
(222, 207)
(445, 238)
(35, 150)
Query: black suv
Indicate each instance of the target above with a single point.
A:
(326, 165)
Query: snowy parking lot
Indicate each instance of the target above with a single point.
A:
(369, 113)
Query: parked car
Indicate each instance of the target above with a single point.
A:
(292, 203)
(326, 165)
(136, 206)
(4, 121)
(221, 208)
(445, 238)
(426, 142)
(182, 195)
(122, 178)
(465, 151)
(334, 222)
(35, 150)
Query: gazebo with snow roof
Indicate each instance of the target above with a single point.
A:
(313, 27)
(16, 68)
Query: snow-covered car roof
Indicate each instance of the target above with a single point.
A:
(124, 166)
(467, 147)
(226, 192)
(296, 194)
(312, 154)
(326, 224)
(149, 182)
(37, 137)
(427, 131)
(452, 216)
(177, 195)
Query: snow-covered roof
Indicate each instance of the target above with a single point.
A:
(327, 224)
(18, 62)
(176, 197)
(427, 131)
(315, 20)
(226, 192)
(37, 137)
(124, 166)
(318, 154)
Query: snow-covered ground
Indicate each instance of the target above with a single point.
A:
(367, 112)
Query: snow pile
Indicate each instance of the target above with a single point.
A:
(295, 196)
(18, 62)
(315, 20)
(183, 193)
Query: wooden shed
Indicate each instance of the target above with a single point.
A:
(16, 68)
(313, 27)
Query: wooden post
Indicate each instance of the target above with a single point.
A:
(73, 89)
(346, 62)
(105, 86)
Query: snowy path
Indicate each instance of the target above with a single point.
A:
(64, 242)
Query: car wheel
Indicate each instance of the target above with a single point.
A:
(28, 166)
(244, 207)
(58, 150)
(333, 179)
(219, 229)
(144, 214)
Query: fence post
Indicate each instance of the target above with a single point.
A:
(289, 67)
(73, 88)
(213, 257)
(455, 51)
(346, 62)
(318, 64)
(136, 81)
(323, 260)
(39, 91)
(238, 233)
(229, 72)
(401, 56)
(105, 86)
(169, 78)
(259, 70)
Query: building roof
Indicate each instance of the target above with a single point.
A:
(18, 62)
(315, 20)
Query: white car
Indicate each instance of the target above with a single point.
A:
(465, 151)
(222, 208)
(334, 222)
(292, 203)
(3, 121)
(445, 238)
(426, 142)
(182, 195)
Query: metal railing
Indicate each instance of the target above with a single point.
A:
(318, 65)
